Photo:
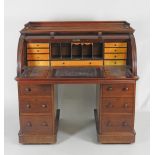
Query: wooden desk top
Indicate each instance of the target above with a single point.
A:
(78, 26)
(75, 73)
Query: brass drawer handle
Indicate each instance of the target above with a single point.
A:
(44, 124)
(126, 105)
(28, 106)
(44, 106)
(124, 124)
(27, 89)
(109, 88)
(28, 124)
(126, 89)
(109, 105)
(109, 123)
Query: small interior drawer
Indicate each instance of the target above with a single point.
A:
(35, 50)
(37, 56)
(38, 63)
(114, 62)
(115, 44)
(115, 50)
(114, 56)
(77, 63)
(37, 45)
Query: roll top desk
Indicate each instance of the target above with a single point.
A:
(101, 53)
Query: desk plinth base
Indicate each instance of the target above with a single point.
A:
(114, 137)
(40, 138)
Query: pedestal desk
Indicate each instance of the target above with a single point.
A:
(99, 52)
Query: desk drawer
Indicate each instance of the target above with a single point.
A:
(115, 50)
(35, 104)
(114, 62)
(115, 44)
(114, 56)
(77, 63)
(37, 50)
(117, 105)
(36, 124)
(38, 63)
(116, 123)
(117, 90)
(37, 45)
(37, 56)
(35, 90)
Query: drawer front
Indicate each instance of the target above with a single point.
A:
(117, 105)
(39, 90)
(114, 56)
(37, 45)
(35, 105)
(115, 50)
(118, 90)
(37, 50)
(77, 63)
(114, 62)
(37, 56)
(116, 123)
(36, 124)
(115, 44)
(38, 63)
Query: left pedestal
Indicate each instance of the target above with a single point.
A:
(38, 113)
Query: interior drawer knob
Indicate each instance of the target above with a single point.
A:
(44, 124)
(109, 88)
(90, 63)
(125, 88)
(28, 106)
(44, 105)
(27, 89)
(29, 124)
(124, 124)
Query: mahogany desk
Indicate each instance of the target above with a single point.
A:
(101, 53)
